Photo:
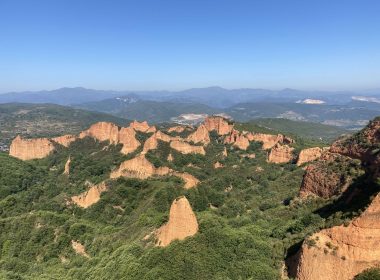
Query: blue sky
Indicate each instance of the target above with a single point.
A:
(168, 44)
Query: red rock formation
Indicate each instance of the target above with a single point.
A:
(170, 157)
(67, 166)
(200, 135)
(219, 124)
(182, 223)
(27, 149)
(152, 142)
(218, 165)
(268, 140)
(140, 126)
(224, 153)
(177, 128)
(65, 140)
(328, 176)
(139, 167)
(186, 148)
(127, 136)
(237, 139)
(280, 154)
(190, 180)
(341, 252)
(102, 131)
(79, 248)
(310, 154)
(91, 196)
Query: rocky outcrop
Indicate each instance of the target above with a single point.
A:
(329, 176)
(66, 171)
(310, 154)
(218, 165)
(178, 128)
(341, 252)
(269, 140)
(79, 248)
(364, 145)
(170, 157)
(65, 140)
(224, 153)
(27, 149)
(186, 148)
(152, 142)
(90, 196)
(182, 223)
(102, 131)
(140, 126)
(280, 154)
(190, 180)
(218, 124)
(139, 167)
(200, 135)
(127, 137)
(105, 131)
(237, 140)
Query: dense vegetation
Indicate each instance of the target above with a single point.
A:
(249, 217)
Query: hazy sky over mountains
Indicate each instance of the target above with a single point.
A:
(173, 44)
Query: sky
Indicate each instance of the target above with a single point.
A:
(179, 44)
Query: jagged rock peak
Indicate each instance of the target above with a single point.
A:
(200, 135)
(182, 223)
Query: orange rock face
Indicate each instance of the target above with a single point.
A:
(341, 252)
(268, 140)
(90, 197)
(190, 180)
(237, 139)
(177, 128)
(200, 135)
(218, 165)
(65, 140)
(102, 131)
(67, 166)
(219, 124)
(224, 153)
(79, 248)
(280, 154)
(140, 126)
(138, 167)
(27, 149)
(186, 148)
(127, 136)
(152, 142)
(307, 155)
(182, 223)
(105, 131)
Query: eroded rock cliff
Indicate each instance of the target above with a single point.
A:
(27, 149)
(310, 154)
(341, 252)
(139, 167)
(65, 140)
(91, 196)
(218, 124)
(186, 148)
(182, 223)
(237, 140)
(280, 154)
(200, 135)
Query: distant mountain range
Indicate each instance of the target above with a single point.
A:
(350, 110)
